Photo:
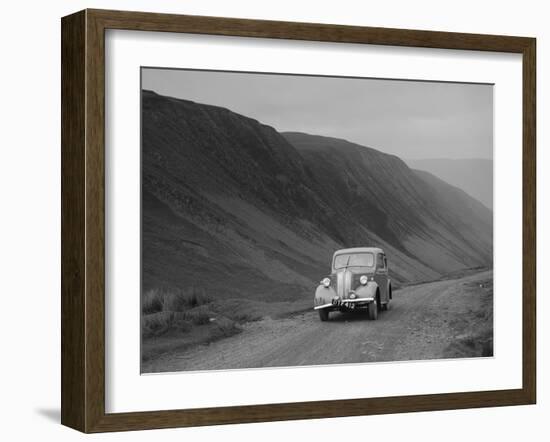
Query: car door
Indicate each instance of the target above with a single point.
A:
(381, 277)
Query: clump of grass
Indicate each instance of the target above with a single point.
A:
(175, 310)
(199, 315)
(173, 300)
(184, 317)
(152, 302)
(168, 342)
(240, 310)
(225, 327)
(159, 323)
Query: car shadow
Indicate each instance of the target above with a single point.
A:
(360, 315)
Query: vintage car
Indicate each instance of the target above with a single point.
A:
(358, 280)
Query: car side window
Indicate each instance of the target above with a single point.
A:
(380, 264)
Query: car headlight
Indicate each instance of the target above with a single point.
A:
(326, 282)
(364, 279)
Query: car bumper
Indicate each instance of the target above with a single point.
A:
(350, 303)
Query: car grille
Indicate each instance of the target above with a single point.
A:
(343, 283)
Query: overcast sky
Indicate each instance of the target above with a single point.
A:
(410, 119)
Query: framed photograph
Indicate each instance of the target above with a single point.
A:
(269, 220)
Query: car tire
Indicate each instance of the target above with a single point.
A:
(386, 306)
(373, 310)
(323, 314)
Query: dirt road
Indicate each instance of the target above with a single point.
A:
(442, 319)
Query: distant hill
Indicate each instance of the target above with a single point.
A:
(437, 224)
(233, 206)
(474, 176)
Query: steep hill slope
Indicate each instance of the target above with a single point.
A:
(234, 207)
(428, 219)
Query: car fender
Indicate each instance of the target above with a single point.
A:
(323, 295)
(367, 291)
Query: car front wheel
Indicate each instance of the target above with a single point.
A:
(323, 314)
(373, 310)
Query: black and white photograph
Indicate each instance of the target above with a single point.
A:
(299, 220)
(260, 221)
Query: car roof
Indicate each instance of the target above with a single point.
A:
(359, 250)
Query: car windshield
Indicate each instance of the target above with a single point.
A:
(354, 260)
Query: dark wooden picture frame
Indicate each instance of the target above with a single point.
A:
(83, 220)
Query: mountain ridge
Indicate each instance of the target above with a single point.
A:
(473, 175)
(233, 206)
